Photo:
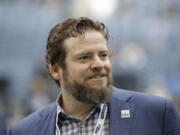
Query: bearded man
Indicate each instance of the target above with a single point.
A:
(78, 60)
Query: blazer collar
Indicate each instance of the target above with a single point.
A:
(48, 115)
(121, 112)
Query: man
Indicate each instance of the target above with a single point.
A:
(78, 60)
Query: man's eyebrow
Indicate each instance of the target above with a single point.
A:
(83, 53)
(89, 53)
(107, 51)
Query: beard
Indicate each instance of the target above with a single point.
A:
(83, 92)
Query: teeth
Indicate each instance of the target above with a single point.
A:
(99, 76)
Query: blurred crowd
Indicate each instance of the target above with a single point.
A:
(145, 37)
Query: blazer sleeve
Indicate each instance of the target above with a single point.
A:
(172, 120)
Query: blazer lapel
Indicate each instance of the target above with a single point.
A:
(48, 126)
(120, 113)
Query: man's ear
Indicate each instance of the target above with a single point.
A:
(55, 71)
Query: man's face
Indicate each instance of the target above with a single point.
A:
(87, 75)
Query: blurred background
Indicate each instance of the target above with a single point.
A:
(145, 37)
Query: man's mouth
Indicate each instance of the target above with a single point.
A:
(97, 76)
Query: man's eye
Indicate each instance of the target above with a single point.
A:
(83, 57)
(104, 55)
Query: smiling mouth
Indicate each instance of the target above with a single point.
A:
(97, 76)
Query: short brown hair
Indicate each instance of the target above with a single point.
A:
(72, 27)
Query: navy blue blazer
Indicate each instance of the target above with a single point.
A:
(149, 115)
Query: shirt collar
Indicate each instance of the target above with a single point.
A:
(64, 116)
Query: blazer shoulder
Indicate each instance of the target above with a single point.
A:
(141, 99)
(145, 98)
(32, 122)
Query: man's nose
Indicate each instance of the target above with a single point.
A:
(97, 63)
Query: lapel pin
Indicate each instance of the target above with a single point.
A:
(125, 114)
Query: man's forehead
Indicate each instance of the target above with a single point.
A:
(91, 42)
(87, 37)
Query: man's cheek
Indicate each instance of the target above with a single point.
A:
(108, 67)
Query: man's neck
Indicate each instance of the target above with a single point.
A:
(75, 108)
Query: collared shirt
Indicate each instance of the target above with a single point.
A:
(68, 125)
